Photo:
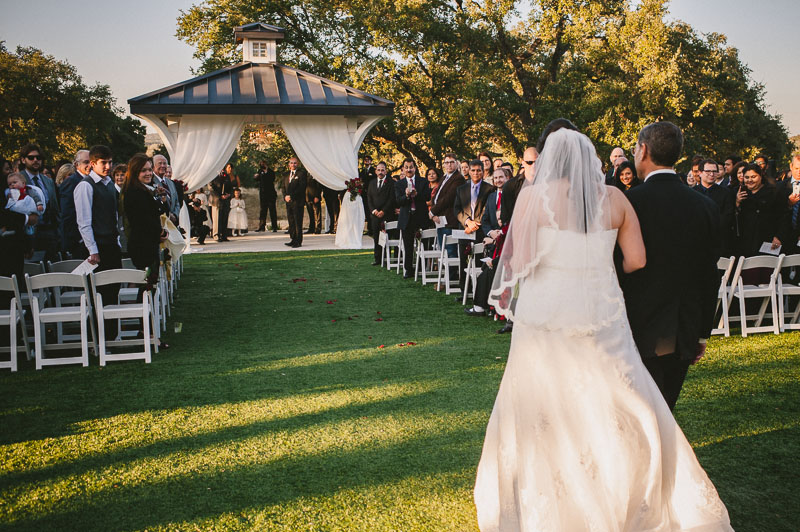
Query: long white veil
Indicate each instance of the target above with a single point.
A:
(567, 193)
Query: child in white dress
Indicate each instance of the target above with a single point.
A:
(237, 219)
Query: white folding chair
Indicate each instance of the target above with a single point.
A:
(427, 256)
(143, 311)
(446, 263)
(65, 298)
(13, 317)
(767, 293)
(788, 286)
(393, 243)
(725, 265)
(472, 271)
(43, 313)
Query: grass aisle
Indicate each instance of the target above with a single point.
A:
(287, 403)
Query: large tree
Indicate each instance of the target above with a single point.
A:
(45, 101)
(470, 75)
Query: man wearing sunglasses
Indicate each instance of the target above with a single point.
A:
(47, 238)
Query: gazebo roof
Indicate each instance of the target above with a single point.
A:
(260, 89)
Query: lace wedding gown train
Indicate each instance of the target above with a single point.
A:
(580, 439)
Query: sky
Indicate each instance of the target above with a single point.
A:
(141, 53)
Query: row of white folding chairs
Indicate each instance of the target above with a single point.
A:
(774, 295)
(82, 304)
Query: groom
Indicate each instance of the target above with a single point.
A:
(671, 301)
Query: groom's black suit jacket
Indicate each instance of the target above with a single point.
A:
(672, 300)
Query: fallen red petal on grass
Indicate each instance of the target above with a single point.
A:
(369, 337)
(378, 319)
(379, 312)
(381, 346)
(310, 300)
(329, 302)
(411, 343)
(401, 345)
(333, 321)
(349, 318)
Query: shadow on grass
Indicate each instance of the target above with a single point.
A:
(236, 489)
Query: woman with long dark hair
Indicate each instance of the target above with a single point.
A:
(760, 213)
(625, 177)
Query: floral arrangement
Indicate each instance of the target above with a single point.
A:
(180, 184)
(355, 187)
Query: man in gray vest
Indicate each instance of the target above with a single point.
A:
(96, 210)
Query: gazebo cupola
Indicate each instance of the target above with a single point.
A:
(259, 41)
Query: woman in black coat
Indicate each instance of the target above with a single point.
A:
(760, 213)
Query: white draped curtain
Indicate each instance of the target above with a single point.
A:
(328, 148)
(199, 145)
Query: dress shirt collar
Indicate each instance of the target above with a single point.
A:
(96, 178)
(660, 171)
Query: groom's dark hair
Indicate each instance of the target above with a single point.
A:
(664, 141)
(552, 127)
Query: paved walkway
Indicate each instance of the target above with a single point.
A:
(254, 242)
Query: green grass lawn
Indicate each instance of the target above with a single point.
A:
(287, 403)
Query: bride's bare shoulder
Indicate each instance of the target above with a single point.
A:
(619, 205)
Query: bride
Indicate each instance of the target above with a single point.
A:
(580, 438)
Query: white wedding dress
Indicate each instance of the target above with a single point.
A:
(580, 439)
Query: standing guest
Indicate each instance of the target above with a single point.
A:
(142, 208)
(314, 205)
(488, 166)
(13, 241)
(237, 221)
(118, 175)
(380, 200)
(727, 166)
(491, 220)
(434, 177)
(464, 166)
(64, 171)
(294, 193)
(161, 179)
(96, 203)
(762, 160)
(213, 210)
(367, 174)
(332, 206)
(411, 192)
(760, 213)
(443, 199)
(234, 179)
(70, 236)
(223, 188)
(497, 163)
(720, 195)
(267, 197)
(625, 177)
(468, 208)
(47, 231)
(513, 186)
(5, 169)
(616, 154)
(201, 222)
(790, 189)
(737, 176)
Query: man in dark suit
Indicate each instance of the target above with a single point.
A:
(721, 195)
(514, 185)
(313, 205)
(442, 202)
(294, 190)
(223, 188)
(672, 300)
(790, 189)
(411, 192)
(70, 236)
(47, 236)
(267, 197)
(332, 206)
(380, 202)
(492, 213)
(468, 209)
(367, 174)
(13, 242)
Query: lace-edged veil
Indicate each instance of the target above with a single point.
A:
(567, 193)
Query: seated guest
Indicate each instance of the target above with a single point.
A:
(468, 208)
(625, 177)
(722, 197)
(380, 202)
(760, 213)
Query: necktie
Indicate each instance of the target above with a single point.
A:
(474, 198)
(413, 203)
(795, 212)
(291, 177)
(380, 184)
(38, 182)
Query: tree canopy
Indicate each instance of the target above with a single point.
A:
(45, 101)
(474, 75)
